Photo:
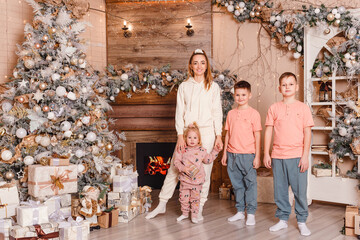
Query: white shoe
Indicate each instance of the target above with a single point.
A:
(250, 221)
(237, 216)
(161, 208)
(280, 225)
(182, 217)
(304, 231)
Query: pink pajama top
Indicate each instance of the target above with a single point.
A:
(190, 164)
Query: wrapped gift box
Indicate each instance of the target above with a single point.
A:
(7, 211)
(113, 200)
(109, 219)
(123, 183)
(32, 213)
(127, 213)
(59, 162)
(51, 231)
(74, 230)
(350, 213)
(8, 194)
(5, 225)
(224, 193)
(51, 180)
(357, 224)
(58, 202)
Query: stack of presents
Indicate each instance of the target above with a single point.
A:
(352, 221)
(55, 209)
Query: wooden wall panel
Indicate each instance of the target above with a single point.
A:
(158, 32)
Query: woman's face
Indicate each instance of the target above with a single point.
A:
(199, 65)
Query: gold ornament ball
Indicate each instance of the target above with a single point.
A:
(327, 31)
(258, 8)
(37, 45)
(337, 23)
(45, 38)
(74, 61)
(9, 175)
(330, 17)
(257, 14)
(52, 30)
(2, 131)
(347, 121)
(163, 74)
(21, 99)
(66, 69)
(43, 86)
(109, 146)
(28, 35)
(81, 136)
(46, 108)
(88, 74)
(252, 14)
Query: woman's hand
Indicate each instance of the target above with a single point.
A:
(180, 145)
(218, 143)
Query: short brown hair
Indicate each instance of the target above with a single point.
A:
(193, 127)
(286, 75)
(243, 84)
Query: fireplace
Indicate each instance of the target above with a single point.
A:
(152, 162)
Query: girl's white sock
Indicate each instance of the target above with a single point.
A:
(182, 217)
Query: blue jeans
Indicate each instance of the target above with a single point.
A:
(243, 178)
(287, 173)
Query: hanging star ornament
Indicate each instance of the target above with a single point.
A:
(23, 83)
(129, 95)
(147, 89)
(20, 174)
(38, 96)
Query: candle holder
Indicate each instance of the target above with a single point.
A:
(190, 32)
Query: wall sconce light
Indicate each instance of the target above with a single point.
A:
(127, 30)
(189, 30)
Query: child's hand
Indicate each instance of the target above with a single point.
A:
(256, 162)
(224, 159)
(267, 161)
(304, 164)
(192, 171)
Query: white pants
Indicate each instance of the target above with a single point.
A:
(171, 180)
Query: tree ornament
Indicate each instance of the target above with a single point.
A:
(45, 108)
(297, 55)
(6, 155)
(43, 86)
(69, 44)
(29, 160)
(37, 45)
(55, 77)
(45, 38)
(66, 69)
(2, 131)
(258, 8)
(51, 115)
(342, 131)
(48, 58)
(241, 4)
(81, 136)
(95, 150)
(80, 168)
(347, 121)
(67, 134)
(81, 61)
(21, 133)
(85, 120)
(9, 175)
(21, 99)
(109, 147)
(252, 14)
(88, 74)
(29, 63)
(37, 108)
(124, 77)
(330, 17)
(28, 36)
(60, 91)
(79, 153)
(327, 30)
(74, 61)
(71, 96)
(52, 30)
(88, 103)
(6, 106)
(38, 138)
(108, 159)
(65, 126)
(45, 141)
(153, 86)
(91, 136)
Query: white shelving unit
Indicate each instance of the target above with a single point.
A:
(335, 188)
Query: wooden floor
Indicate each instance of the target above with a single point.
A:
(325, 221)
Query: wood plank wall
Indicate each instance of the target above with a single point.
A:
(158, 32)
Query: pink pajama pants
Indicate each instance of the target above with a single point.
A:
(189, 197)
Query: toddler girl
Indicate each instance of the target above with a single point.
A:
(191, 172)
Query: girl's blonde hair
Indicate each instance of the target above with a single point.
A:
(208, 76)
(193, 127)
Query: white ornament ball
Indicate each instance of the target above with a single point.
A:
(347, 121)
(95, 150)
(124, 77)
(117, 90)
(230, 8)
(341, 9)
(65, 126)
(91, 136)
(88, 103)
(278, 18)
(297, 55)
(237, 13)
(108, 159)
(38, 139)
(241, 4)
(37, 108)
(45, 141)
(85, 120)
(6, 155)
(351, 32)
(153, 86)
(338, 15)
(51, 115)
(112, 98)
(71, 96)
(334, 11)
(80, 168)
(169, 78)
(342, 131)
(122, 88)
(221, 77)
(79, 153)
(81, 136)
(29, 160)
(326, 69)
(67, 134)
(347, 55)
(134, 88)
(288, 39)
(55, 77)
(6, 106)
(277, 24)
(299, 48)
(226, 4)
(100, 90)
(272, 19)
(29, 63)
(84, 90)
(21, 133)
(60, 91)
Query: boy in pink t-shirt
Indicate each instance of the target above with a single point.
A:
(242, 152)
(291, 121)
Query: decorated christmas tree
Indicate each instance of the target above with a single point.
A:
(52, 108)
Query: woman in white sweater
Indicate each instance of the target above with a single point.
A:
(198, 100)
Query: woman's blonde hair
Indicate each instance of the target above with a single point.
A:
(208, 76)
(193, 127)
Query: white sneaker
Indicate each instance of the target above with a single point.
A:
(304, 231)
(161, 208)
(237, 216)
(250, 221)
(182, 217)
(200, 215)
(280, 225)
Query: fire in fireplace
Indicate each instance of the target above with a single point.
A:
(152, 162)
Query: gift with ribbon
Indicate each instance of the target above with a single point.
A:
(31, 213)
(9, 193)
(7, 211)
(122, 183)
(35, 232)
(5, 225)
(52, 180)
(109, 218)
(113, 199)
(77, 229)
